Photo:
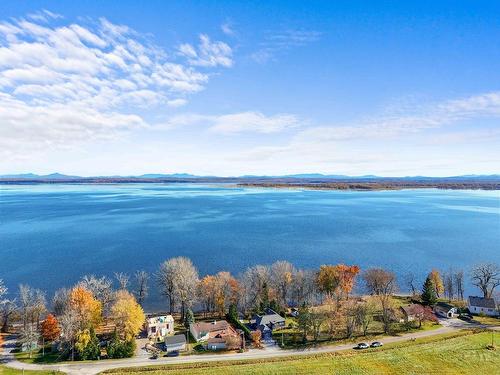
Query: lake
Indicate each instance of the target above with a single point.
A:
(51, 235)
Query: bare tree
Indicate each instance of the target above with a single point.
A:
(178, 279)
(101, 288)
(486, 277)
(411, 283)
(3, 290)
(7, 309)
(382, 285)
(141, 278)
(303, 287)
(123, 280)
(253, 282)
(281, 279)
(69, 328)
(316, 320)
(458, 282)
(60, 301)
(32, 304)
(364, 315)
(29, 337)
(449, 287)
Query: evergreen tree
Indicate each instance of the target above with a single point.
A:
(429, 296)
(189, 318)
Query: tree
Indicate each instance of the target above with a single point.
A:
(207, 288)
(29, 337)
(429, 296)
(317, 319)
(189, 318)
(86, 308)
(69, 329)
(486, 277)
(127, 315)
(328, 280)
(351, 318)
(409, 279)
(458, 282)
(123, 280)
(3, 290)
(50, 328)
(347, 276)
(32, 304)
(304, 322)
(7, 309)
(87, 345)
(423, 314)
(226, 291)
(382, 285)
(437, 281)
(281, 277)
(256, 338)
(303, 287)
(253, 281)
(141, 278)
(120, 349)
(449, 286)
(60, 301)
(364, 315)
(178, 279)
(101, 288)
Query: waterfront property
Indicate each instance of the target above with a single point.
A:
(410, 312)
(445, 310)
(481, 305)
(203, 331)
(158, 327)
(267, 322)
(175, 343)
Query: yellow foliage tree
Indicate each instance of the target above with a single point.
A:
(437, 281)
(127, 315)
(87, 309)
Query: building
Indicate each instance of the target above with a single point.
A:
(175, 343)
(158, 327)
(445, 310)
(410, 312)
(481, 305)
(267, 323)
(203, 331)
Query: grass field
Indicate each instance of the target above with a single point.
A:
(458, 353)
(8, 371)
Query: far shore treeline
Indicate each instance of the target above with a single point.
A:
(78, 313)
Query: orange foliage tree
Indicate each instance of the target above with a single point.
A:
(50, 328)
(328, 280)
(87, 309)
(347, 275)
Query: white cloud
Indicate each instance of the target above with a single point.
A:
(207, 53)
(227, 29)
(276, 42)
(74, 82)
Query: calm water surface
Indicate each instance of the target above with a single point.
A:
(51, 235)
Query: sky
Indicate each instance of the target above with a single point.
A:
(391, 88)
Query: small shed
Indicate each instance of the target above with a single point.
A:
(445, 310)
(175, 343)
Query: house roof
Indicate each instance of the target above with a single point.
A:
(160, 319)
(218, 325)
(173, 340)
(216, 340)
(488, 303)
(444, 306)
(270, 318)
(412, 309)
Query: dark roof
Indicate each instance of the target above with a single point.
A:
(412, 309)
(270, 318)
(173, 340)
(444, 306)
(488, 303)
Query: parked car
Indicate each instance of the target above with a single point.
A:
(376, 344)
(172, 354)
(466, 317)
(363, 345)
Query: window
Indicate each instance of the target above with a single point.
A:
(153, 329)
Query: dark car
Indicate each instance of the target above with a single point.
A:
(376, 344)
(466, 317)
(172, 354)
(362, 345)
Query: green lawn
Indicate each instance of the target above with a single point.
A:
(458, 353)
(8, 371)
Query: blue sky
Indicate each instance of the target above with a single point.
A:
(230, 88)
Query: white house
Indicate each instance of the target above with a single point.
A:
(175, 343)
(481, 305)
(445, 310)
(158, 327)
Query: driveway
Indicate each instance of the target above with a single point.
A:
(90, 368)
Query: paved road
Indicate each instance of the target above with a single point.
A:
(90, 368)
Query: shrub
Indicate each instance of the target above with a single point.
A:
(120, 349)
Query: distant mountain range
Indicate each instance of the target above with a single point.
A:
(308, 176)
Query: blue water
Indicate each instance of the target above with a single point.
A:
(51, 235)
